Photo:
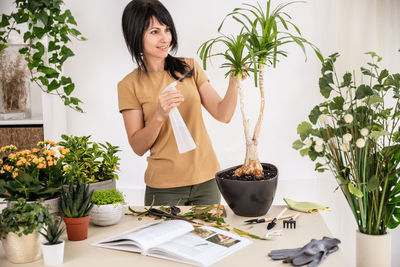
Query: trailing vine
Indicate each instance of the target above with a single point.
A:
(44, 18)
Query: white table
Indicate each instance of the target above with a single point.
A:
(81, 253)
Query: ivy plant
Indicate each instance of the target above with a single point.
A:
(45, 58)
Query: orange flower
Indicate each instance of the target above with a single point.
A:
(35, 160)
(41, 166)
(7, 167)
(12, 156)
(14, 175)
(65, 151)
(35, 150)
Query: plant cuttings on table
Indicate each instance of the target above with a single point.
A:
(213, 214)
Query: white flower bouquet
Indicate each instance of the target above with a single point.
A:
(355, 134)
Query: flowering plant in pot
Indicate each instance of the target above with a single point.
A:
(356, 135)
(19, 230)
(75, 205)
(53, 247)
(259, 44)
(31, 174)
(108, 207)
(90, 162)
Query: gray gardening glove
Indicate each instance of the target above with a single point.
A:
(312, 253)
(281, 254)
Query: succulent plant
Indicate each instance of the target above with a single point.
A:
(75, 202)
(53, 231)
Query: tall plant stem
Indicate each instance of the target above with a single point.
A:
(257, 127)
(252, 163)
(380, 211)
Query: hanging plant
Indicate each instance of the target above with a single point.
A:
(45, 59)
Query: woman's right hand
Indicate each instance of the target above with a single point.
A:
(168, 101)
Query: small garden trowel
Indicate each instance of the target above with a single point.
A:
(273, 223)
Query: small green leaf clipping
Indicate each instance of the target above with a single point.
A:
(355, 191)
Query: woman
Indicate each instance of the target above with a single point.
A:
(171, 178)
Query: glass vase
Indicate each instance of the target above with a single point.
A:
(15, 100)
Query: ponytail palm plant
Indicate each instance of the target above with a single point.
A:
(260, 43)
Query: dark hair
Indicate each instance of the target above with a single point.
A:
(136, 19)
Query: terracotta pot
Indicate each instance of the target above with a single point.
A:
(77, 228)
(22, 249)
(248, 198)
(373, 250)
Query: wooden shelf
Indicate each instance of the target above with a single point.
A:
(36, 120)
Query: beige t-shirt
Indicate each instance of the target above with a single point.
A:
(166, 167)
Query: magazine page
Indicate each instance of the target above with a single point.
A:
(140, 239)
(202, 246)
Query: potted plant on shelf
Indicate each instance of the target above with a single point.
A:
(53, 247)
(108, 207)
(46, 28)
(90, 162)
(355, 133)
(75, 206)
(249, 189)
(32, 174)
(19, 230)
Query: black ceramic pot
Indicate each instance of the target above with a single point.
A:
(248, 198)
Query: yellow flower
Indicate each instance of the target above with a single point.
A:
(52, 152)
(50, 163)
(41, 159)
(35, 160)
(65, 151)
(14, 175)
(35, 150)
(40, 143)
(49, 158)
(12, 156)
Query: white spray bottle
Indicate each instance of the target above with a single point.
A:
(182, 135)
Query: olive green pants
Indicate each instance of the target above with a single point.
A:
(206, 193)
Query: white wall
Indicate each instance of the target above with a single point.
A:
(348, 27)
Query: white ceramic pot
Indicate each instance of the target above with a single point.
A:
(373, 250)
(53, 254)
(53, 204)
(106, 214)
(22, 249)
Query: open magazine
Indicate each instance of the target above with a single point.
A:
(177, 240)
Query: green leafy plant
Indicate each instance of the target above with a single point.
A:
(75, 202)
(263, 34)
(108, 196)
(44, 19)
(89, 161)
(355, 132)
(31, 174)
(23, 218)
(53, 231)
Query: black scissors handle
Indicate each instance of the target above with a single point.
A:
(255, 221)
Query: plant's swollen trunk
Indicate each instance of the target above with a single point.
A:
(252, 165)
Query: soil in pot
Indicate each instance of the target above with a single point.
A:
(270, 172)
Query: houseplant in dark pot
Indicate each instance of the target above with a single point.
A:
(53, 247)
(19, 230)
(354, 133)
(90, 162)
(75, 205)
(32, 174)
(249, 189)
